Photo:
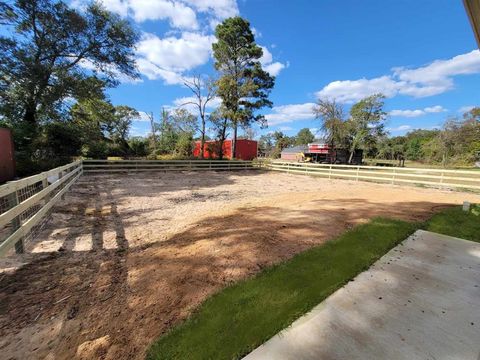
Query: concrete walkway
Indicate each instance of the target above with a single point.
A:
(419, 301)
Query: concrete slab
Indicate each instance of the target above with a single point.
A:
(419, 301)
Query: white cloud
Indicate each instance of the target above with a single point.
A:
(465, 109)
(400, 128)
(428, 80)
(273, 68)
(125, 79)
(256, 33)
(290, 113)
(285, 128)
(417, 112)
(186, 101)
(407, 113)
(153, 72)
(117, 6)
(348, 91)
(182, 14)
(178, 13)
(176, 53)
(143, 116)
(267, 56)
(221, 9)
(435, 109)
(170, 57)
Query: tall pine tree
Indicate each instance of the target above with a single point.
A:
(243, 85)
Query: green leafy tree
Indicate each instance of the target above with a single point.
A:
(367, 119)
(266, 144)
(50, 52)
(332, 122)
(168, 134)
(204, 91)
(220, 124)
(243, 85)
(282, 141)
(103, 128)
(184, 145)
(138, 146)
(176, 130)
(121, 122)
(183, 121)
(304, 137)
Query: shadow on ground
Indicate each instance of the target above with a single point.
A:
(111, 303)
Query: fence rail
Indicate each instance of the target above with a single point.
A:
(105, 166)
(464, 179)
(24, 203)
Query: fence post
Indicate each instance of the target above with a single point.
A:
(393, 176)
(330, 172)
(441, 177)
(288, 168)
(358, 170)
(60, 175)
(19, 248)
(44, 185)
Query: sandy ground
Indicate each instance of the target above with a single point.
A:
(126, 257)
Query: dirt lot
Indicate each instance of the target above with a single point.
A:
(137, 253)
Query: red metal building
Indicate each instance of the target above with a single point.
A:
(7, 159)
(246, 149)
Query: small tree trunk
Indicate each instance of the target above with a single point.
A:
(220, 149)
(202, 149)
(29, 116)
(222, 136)
(234, 149)
(351, 156)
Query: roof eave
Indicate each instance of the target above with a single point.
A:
(473, 10)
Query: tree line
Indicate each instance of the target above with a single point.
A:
(363, 128)
(56, 63)
(457, 143)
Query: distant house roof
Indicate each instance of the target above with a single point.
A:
(295, 149)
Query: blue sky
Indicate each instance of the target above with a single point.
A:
(420, 53)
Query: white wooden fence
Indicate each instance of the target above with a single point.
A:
(107, 166)
(456, 179)
(24, 203)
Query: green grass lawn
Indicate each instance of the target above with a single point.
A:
(241, 317)
(455, 222)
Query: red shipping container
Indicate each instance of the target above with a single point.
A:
(246, 149)
(7, 159)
